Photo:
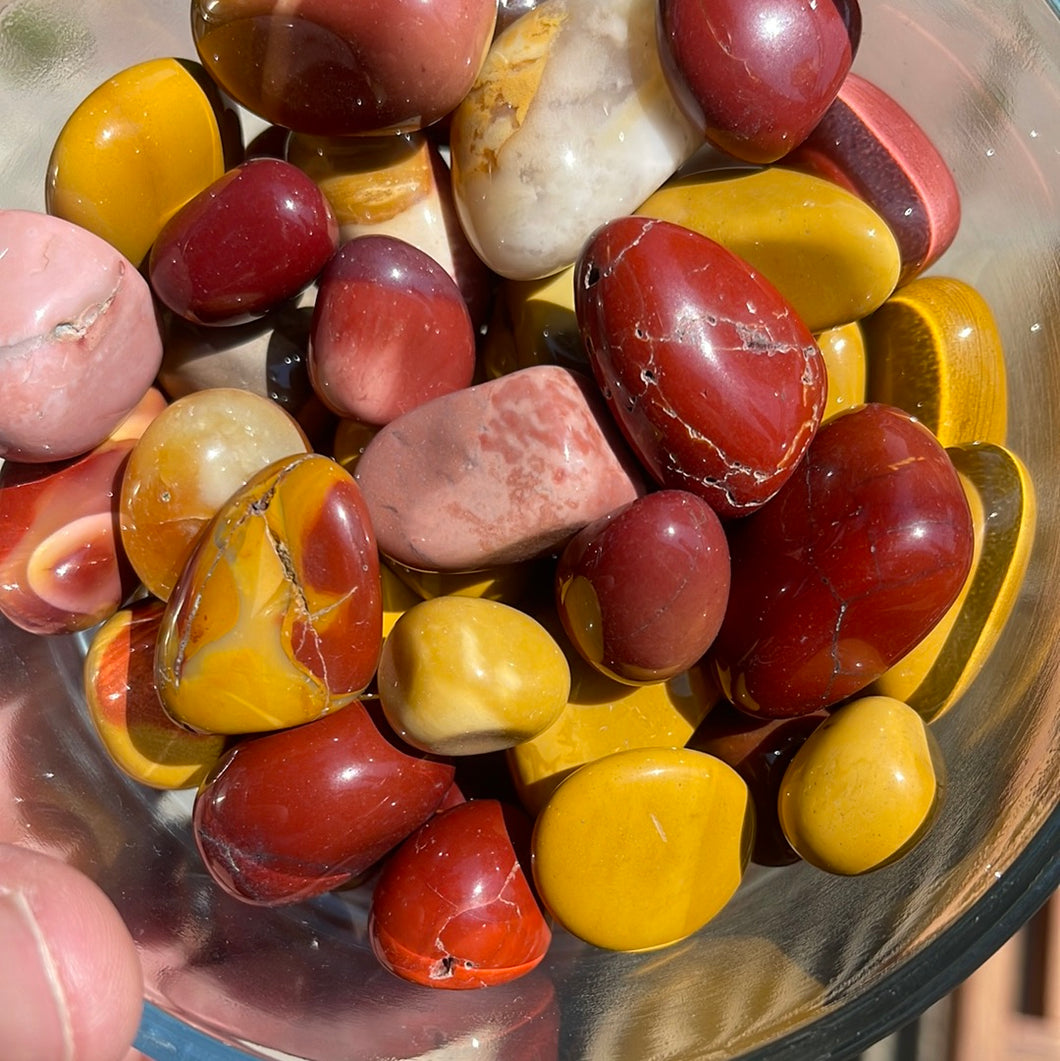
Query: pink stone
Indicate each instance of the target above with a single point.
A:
(79, 338)
(497, 473)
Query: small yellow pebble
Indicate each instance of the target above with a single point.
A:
(933, 349)
(642, 848)
(863, 789)
(843, 349)
(466, 675)
(135, 150)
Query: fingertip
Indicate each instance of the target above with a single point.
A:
(71, 985)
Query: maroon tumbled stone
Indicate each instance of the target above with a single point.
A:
(757, 76)
(851, 565)
(641, 592)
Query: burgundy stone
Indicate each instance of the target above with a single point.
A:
(255, 237)
(338, 68)
(757, 75)
(390, 331)
(299, 812)
(713, 378)
(846, 569)
(642, 592)
(759, 750)
(496, 473)
(868, 144)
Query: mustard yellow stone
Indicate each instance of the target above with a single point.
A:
(134, 152)
(828, 252)
(397, 598)
(934, 675)
(843, 349)
(934, 350)
(466, 675)
(642, 848)
(863, 789)
(604, 716)
(534, 324)
(366, 179)
(506, 583)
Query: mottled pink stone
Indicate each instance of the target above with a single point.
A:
(496, 473)
(79, 338)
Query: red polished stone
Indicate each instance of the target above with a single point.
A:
(759, 750)
(297, 813)
(846, 569)
(338, 68)
(390, 331)
(714, 380)
(62, 565)
(868, 144)
(757, 75)
(453, 907)
(255, 237)
(641, 593)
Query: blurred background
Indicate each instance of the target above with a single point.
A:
(1007, 1010)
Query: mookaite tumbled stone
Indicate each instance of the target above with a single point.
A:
(496, 473)
(569, 124)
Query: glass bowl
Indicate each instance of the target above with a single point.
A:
(800, 964)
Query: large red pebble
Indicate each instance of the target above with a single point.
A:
(62, 563)
(79, 338)
(757, 75)
(846, 569)
(299, 812)
(255, 237)
(715, 381)
(869, 145)
(496, 473)
(390, 331)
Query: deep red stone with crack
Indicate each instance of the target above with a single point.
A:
(715, 381)
(453, 907)
(846, 569)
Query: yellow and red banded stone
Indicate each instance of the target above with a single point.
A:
(277, 619)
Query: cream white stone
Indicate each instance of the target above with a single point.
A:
(570, 124)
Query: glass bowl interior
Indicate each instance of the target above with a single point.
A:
(800, 964)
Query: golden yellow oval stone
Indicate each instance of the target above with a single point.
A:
(828, 252)
(642, 848)
(603, 716)
(134, 151)
(863, 789)
(933, 349)
(934, 675)
(843, 350)
(466, 675)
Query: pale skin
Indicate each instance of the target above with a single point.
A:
(71, 985)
